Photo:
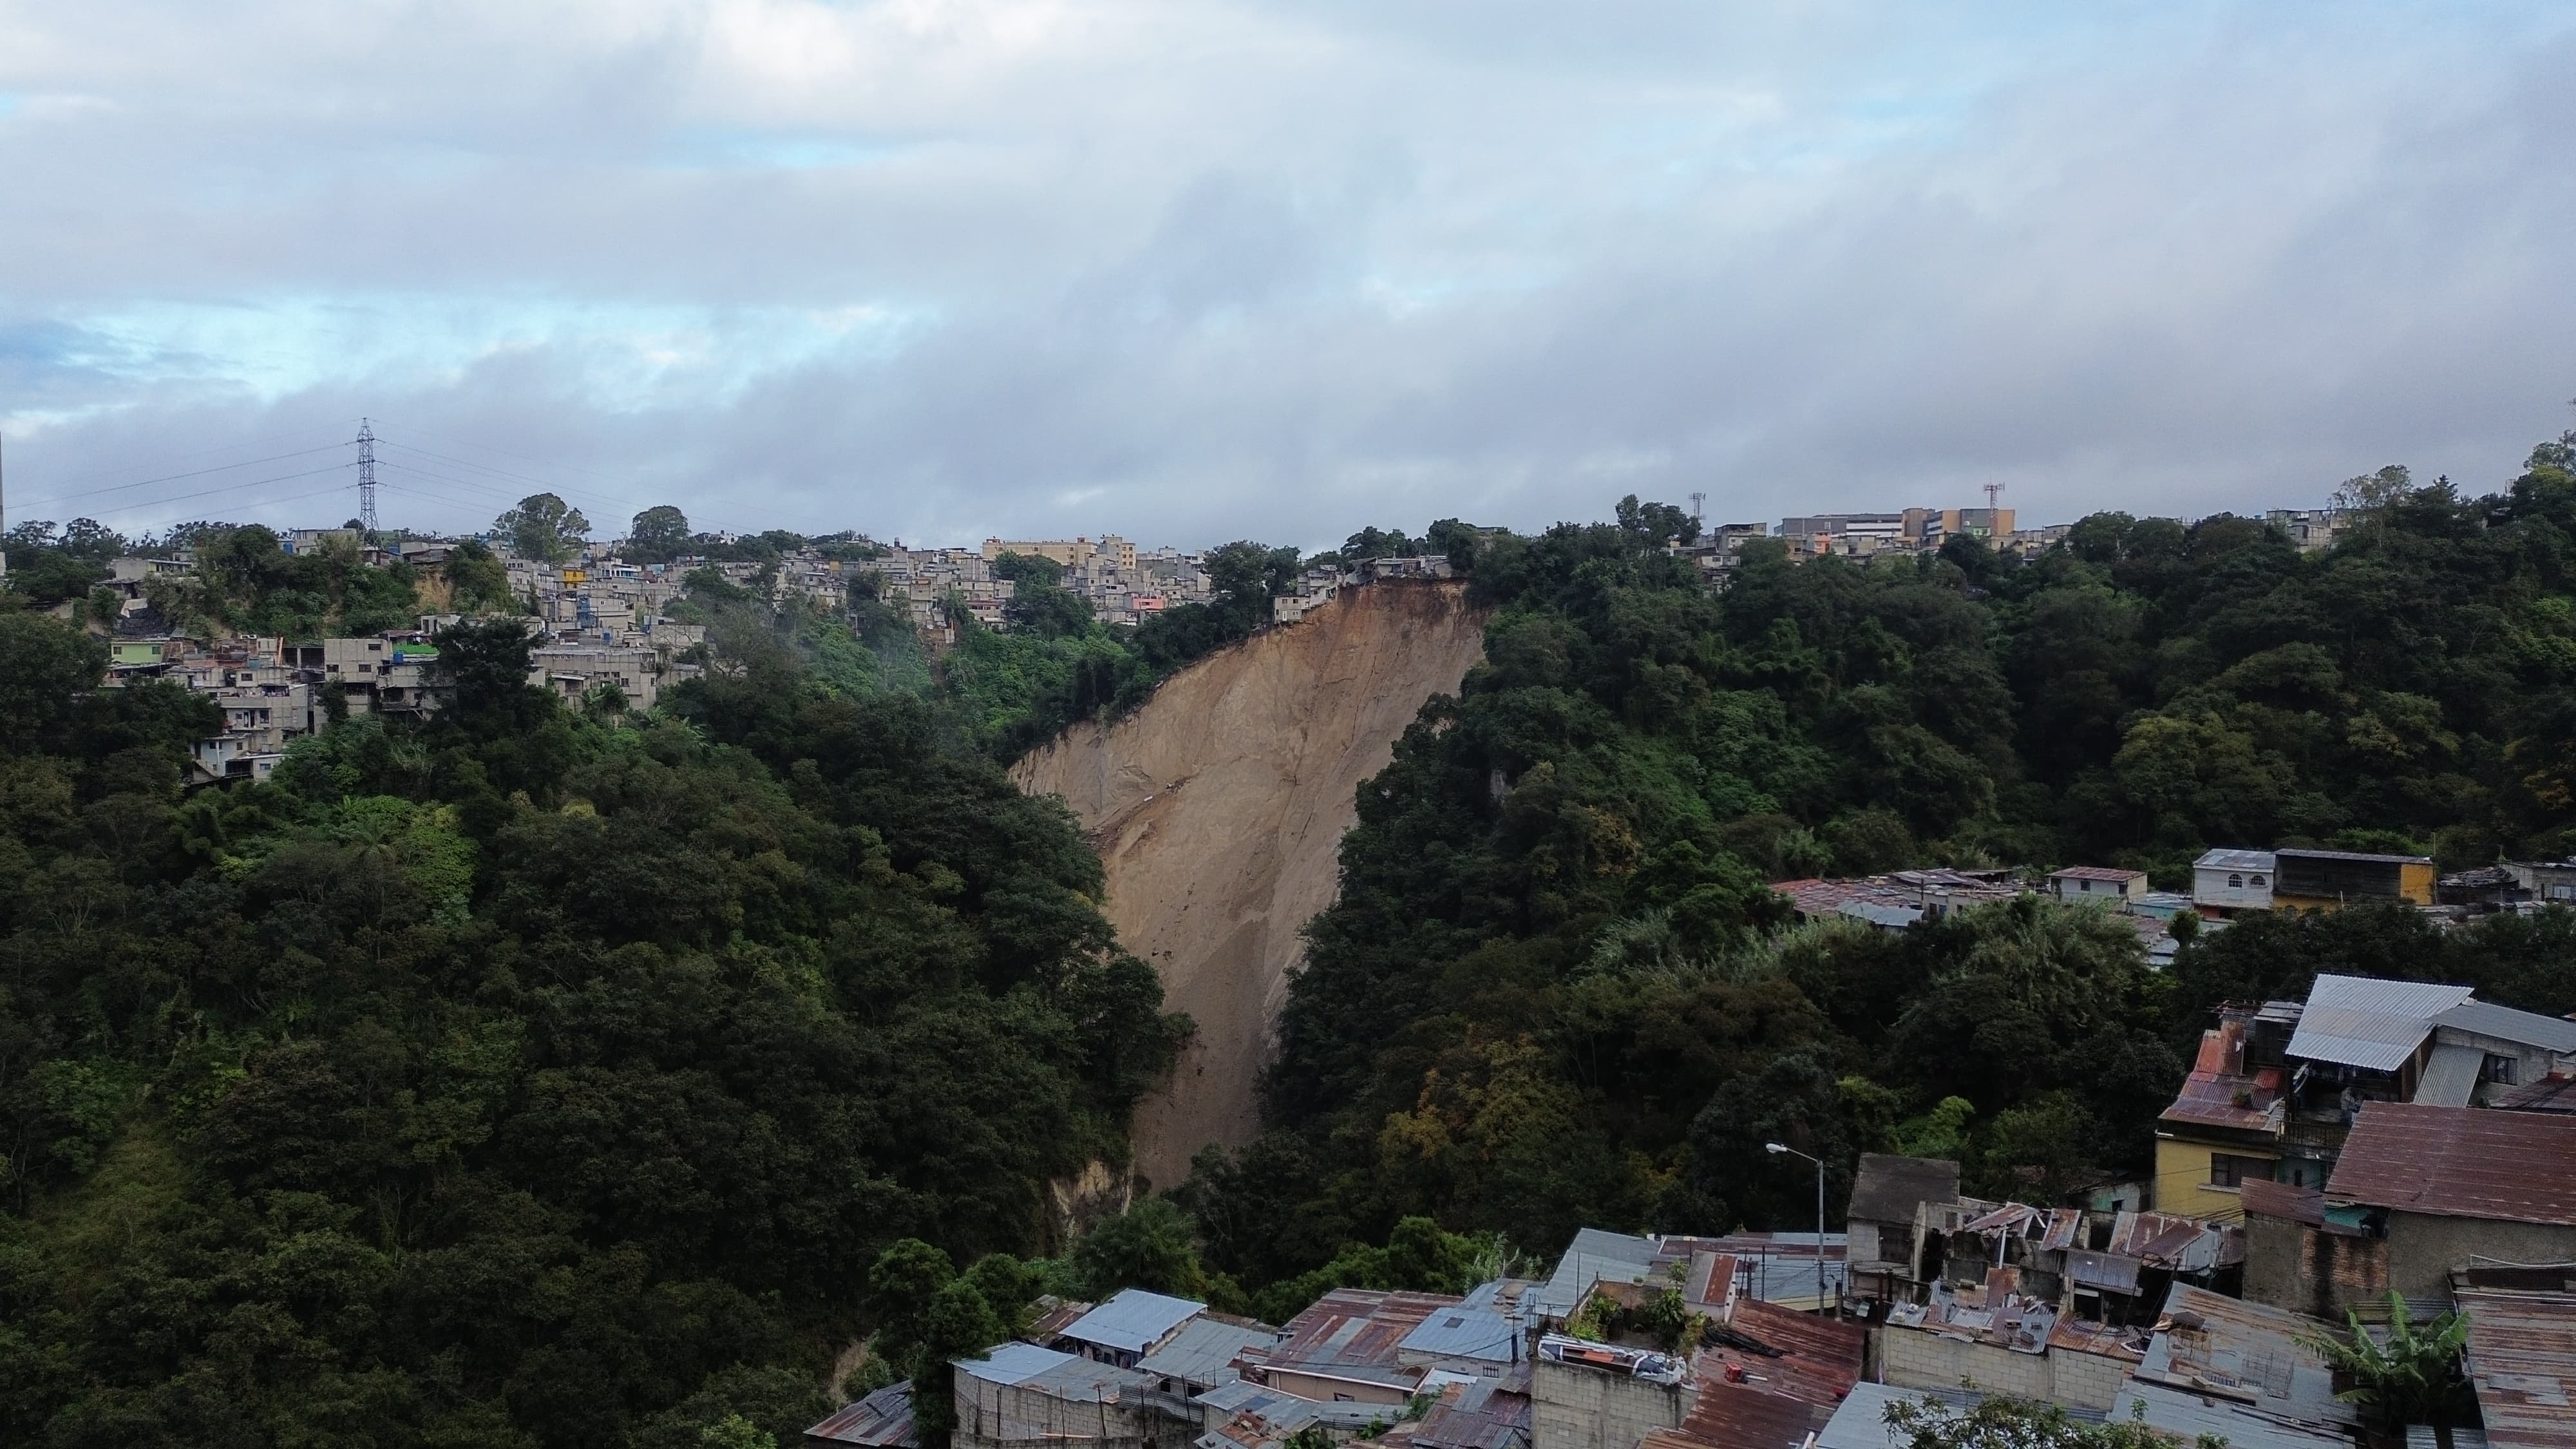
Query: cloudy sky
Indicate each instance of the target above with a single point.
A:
(1197, 269)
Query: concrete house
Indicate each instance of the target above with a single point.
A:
(2232, 882)
(1883, 1226)
(1020, 1396)
(2086, 884)
(2441, 1186)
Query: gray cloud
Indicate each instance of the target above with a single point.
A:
(1200, 271)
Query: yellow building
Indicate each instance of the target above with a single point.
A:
(2324, 880)
(1069, 552)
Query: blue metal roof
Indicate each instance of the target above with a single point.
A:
(1133, 1321)
(1593, 1257)
(1470, 1330)
(1013, 1362)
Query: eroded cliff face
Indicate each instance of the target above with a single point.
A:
(1217, 809)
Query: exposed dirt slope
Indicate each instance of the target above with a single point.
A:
(1217, 809)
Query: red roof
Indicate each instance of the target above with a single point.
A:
(1738, 1416)
(2220, 1092)
(2263, 1197)
(2096, 872)
(1818, 1359)
(2462, 1162)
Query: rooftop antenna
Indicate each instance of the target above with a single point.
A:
(1696, 500)
(367, 479)
(1992, 490)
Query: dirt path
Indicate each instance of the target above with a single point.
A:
(1217, 809)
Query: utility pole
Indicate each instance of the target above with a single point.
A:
(367, 479)
(1775, 1149)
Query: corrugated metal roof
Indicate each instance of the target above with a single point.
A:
(1860, 1421)
(2450, 1076)
(2528, 1028)
(2109, 1272)
(2357, 1021)
(2234, 860)
(2219, 1092)
(1480, 1415)
(1203, 1350)
(1811, 1358)
(2211, 1341)
(2096, 872)
(2262, 1197)
(1593, 1256)
(2188, 1416)
(2522, 1362)
(882, 1419)
(2460, 1162)
(1736, 1416)
(2551, 1094)
(1133, 1321)
(1014, 1362)
(1352, 1333)
(2303, 853)
(1468, 1330)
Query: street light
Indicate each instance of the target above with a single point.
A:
(1775, 1149)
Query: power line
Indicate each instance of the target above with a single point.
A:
(547, 484)
(237, 487)
(175, 477)
(156, 458)
(298, 497)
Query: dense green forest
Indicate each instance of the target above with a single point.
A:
(1555, 991)
(532, 1077)
(517, 1079)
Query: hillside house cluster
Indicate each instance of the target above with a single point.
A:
(2277, 1086)
(2194, 1302)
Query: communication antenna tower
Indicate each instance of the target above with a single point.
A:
(1696, 500)
(1992, 491)
(367, 478)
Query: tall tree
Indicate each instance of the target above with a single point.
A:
(542, 527)
(657, 535)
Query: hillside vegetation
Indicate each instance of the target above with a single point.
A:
(530, 1077)
(1555, 990)
(517, 1079)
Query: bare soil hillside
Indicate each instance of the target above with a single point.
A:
(1218, 808)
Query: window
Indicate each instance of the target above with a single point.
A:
(2254, 881)
(2502, 1070)
(2226, 1169)
(2236, 882)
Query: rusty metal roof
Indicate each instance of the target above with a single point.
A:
(2460, 1162)
(1740, 1416)
(2219, 1092)
(2522, 1362)
(2549, 1094)
(2096, 872)
(1352, 1333)
(1810, 1358)
(2263, 1197)
(2209, 1341)
(1481, 1415)
(882, 1419)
